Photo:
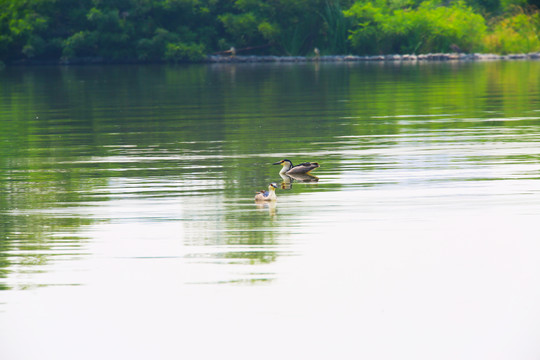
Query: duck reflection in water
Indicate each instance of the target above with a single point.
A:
(288, 179)
(268, 195)
(270, 206)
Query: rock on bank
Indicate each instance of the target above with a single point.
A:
(355, 58)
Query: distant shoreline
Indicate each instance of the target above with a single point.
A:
(371, 58)
(238, 59)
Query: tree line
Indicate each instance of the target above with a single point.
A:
(188, 30)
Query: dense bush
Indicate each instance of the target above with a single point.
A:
(185, 30)
(292, 27)
(430, 27)
(178, 52)
(516, 34)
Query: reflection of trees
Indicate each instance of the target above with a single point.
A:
(250, 228)
(464, 89)
(31, 241)
(217, 129)
(29, 232)
(36, 183)
(245, 234)
(39, 174)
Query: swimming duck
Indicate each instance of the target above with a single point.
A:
(289, 168)
(267, 195)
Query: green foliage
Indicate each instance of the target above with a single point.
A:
(178, 30)
(335, 28)
(243, 27)
(292, 27)
(80, 44)
(181, 52)
(155, 47)
(426, 28)
(515, 34)
(269, 31)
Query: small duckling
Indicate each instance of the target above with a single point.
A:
(289, 168)
(269, 195)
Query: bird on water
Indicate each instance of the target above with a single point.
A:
(289, 168)
(267, 195)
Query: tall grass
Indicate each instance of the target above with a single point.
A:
(336, 27)
(518, 33)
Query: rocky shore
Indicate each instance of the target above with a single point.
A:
(227, 59)
(375, 58)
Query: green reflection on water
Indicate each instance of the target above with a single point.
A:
(212, 132)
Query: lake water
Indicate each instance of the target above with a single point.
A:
(128, 228)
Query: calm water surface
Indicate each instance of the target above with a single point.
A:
(128, 227)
